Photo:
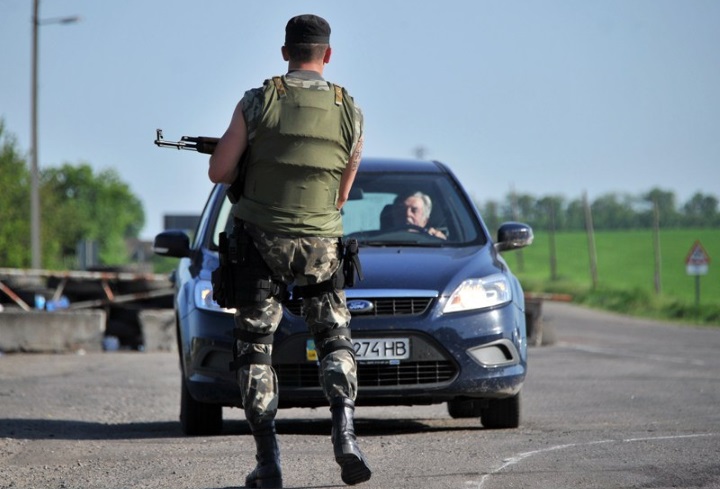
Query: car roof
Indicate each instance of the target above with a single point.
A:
(373, 164)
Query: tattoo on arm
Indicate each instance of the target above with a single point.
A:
(355, 158)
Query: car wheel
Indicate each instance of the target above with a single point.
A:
(199, 418)
(467, 408)
(501, 413)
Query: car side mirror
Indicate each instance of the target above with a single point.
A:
(173, 243)
(513, 236)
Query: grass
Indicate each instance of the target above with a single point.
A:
(626, 272)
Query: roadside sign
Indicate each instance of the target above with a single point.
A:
(697, 261)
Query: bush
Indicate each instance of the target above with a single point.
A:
(634, 302)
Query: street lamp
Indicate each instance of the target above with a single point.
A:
(34, 171)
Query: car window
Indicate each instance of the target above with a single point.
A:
(224, 221)
(206, 222)
(372, 214)
(364, 214)
(375, 212)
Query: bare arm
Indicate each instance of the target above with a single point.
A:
(232, 144)
(348, 176)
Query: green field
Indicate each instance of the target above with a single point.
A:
(625, 263)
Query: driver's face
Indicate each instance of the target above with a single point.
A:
(413, 210)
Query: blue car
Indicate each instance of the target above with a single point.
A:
(438, 318)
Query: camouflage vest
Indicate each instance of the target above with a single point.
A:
(301, 148)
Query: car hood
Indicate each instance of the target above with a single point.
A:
(418, 268)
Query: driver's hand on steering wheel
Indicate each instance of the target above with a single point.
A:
(435, 232)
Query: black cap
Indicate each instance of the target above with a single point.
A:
(307, 29)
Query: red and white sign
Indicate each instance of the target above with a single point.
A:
(697, 261)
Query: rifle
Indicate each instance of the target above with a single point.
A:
(204, 144)
(201, 144)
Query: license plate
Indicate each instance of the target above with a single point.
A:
(371, 350)
(381, 349)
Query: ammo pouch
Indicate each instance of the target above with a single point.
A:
(243, 278)
(344, 276)
(350, 263)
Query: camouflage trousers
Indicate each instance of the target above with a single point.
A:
(303, 261)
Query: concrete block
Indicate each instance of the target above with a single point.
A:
(51, 332)
(158, 329)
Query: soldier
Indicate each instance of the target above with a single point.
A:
(304, 138)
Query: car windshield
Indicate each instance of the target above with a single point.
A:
(400, 209)
(409, 208)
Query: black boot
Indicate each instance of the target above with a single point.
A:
(355, 468)
(267, 473)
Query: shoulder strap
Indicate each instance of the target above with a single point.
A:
(279, 86)
(338, 94)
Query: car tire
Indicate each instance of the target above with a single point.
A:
(199, 418)
(501, 413)
(466, 408)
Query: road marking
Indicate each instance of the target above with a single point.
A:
(508, 462)
(621, 353)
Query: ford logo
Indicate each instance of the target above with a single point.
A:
(359, 306)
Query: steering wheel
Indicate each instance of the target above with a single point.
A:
(413, 228)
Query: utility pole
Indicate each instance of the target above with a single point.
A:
(656, 247)
(592, 253)
(35, 238)
(34, 170)
(551, 236)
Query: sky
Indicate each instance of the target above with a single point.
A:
(539, 97)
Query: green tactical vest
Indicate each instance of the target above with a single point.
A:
(301, 148)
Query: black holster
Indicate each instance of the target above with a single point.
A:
(243, 278)
(344, 276)
(351, 262)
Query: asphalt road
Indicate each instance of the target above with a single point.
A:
(614, 403)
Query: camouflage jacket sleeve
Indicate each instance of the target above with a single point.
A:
(252, 105)
(359, 127)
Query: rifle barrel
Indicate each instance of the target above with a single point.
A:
(176, 144)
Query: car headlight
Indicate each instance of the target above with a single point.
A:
(480, 293)
(204, 297)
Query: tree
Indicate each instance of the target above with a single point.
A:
(491, 215)
(520, 207)
(612, 211)
(14, 203)
(701, 210)
(548, 212)
(76, 205)
(665, 201)
(574, 216)
(79, 205)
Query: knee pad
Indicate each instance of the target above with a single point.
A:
(253, 358)
(333, 340)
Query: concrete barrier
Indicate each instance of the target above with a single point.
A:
(158, 329)
(51, 332)
(63, 331)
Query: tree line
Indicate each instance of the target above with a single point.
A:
(612, 211)
(77, 205)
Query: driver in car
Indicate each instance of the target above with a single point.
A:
(415, 211)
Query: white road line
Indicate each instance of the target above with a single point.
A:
(508, 462)
(621, 353)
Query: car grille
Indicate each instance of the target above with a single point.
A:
(372, 375)
(391, 306)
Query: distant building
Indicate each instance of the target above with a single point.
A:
(186, 222)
